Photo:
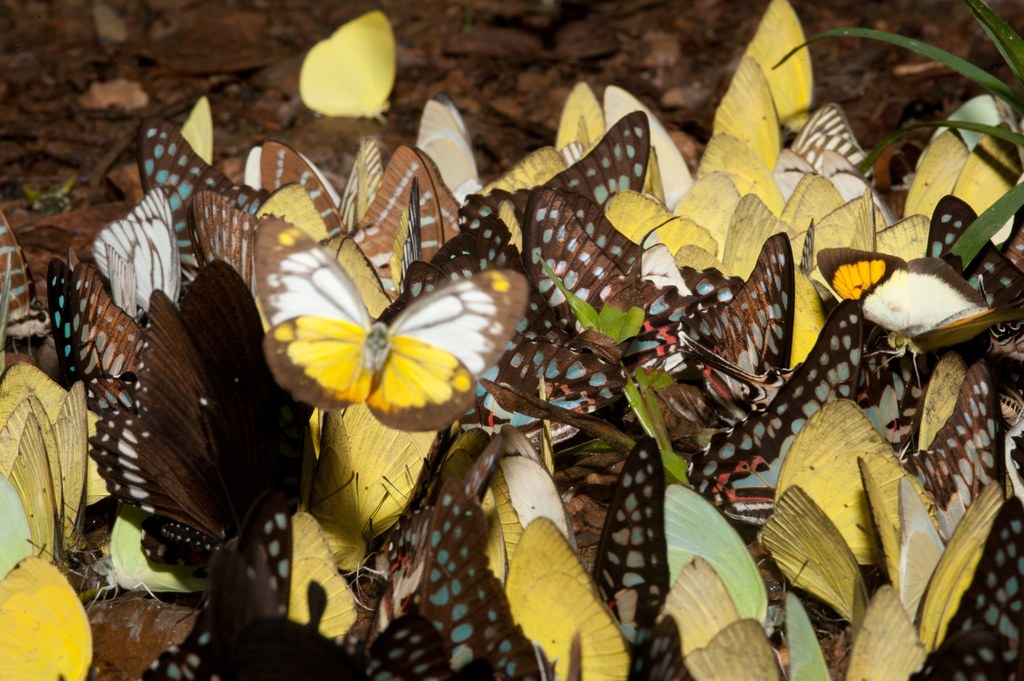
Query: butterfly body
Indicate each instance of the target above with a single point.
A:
(416, 372)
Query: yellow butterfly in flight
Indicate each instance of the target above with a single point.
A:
(416, 373)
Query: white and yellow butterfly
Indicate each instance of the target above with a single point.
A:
(418, 373)
(924, 303)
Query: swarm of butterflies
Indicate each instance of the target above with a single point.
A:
(337, 414)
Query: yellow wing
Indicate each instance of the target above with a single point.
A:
(31, 476)
(637, 215)
(700, 603)
(710, 204)
(953, 574)
(886, 634)
(941, 397)
(582, 119)
(740, 651)
(748, 114)
(198, 129)
(46, 632)
(312, 559)
(552, 598)
(744, 167)
(792, 83)
(364, 479)
(352, 72)
(990, 171)
(937, 171)
(534, 170)
(813, 554)
(293, 204)
(823, 461)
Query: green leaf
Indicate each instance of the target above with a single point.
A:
(652, 378)
(620, 324)
(584, 311)
(986, 80)
(649, 417)
(988, 223)
(1006, 40)
(994, 130)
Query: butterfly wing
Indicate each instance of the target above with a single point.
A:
(318, 321)
(441, 343)
(145, 237)
(24, 316)
(166, 160)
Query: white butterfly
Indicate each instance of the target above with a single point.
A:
(139, 253)
(443, 135)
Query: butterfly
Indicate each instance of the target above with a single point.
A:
(166, 160)
(208, 438)
(48, 635)
(198, 129)
(249, 580)
(671, 167)
(43, 452)
(25, 315)
(739, 468)
(740, 331)
(365, 47)
(966, 452)
(126, 566)
(540, 349)
(417, 373)
(924, 304)
(274, 165)
(444, 137)
(97, 341)
(220, 231)
(554, 600)
(438, 209)
(631, 567)
(138, 254)
(984, 633)
(791, 83)
(437, 563)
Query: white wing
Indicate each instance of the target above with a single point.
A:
(444, 137)
(145, 237)
(472, 319)
(298, 277)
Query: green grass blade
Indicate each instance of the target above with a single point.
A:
(988, 223)
(968, 70)
(994, 130)
(1006, 40)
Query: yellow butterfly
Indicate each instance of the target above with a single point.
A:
(46, 632)
(553, 599)
(418, 373)
(352, 72)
